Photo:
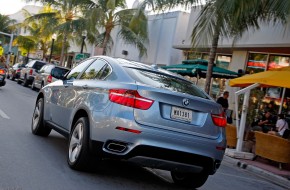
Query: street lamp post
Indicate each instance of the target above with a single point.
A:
(51, 48)
(84, 35)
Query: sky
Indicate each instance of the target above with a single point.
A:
(12, 6)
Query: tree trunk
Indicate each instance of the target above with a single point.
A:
(105, 43)
(63, 49)
(212, 55)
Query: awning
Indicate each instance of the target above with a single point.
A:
(198, 67)
(277, 77)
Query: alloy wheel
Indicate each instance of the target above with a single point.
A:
(75, 145)
(36, 115)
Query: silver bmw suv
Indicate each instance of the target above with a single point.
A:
(115, 108)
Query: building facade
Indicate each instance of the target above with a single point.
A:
(164, 31)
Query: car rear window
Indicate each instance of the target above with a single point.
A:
(38, 65)
(165, 81)
(58, 72)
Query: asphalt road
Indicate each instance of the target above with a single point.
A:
(35, 163)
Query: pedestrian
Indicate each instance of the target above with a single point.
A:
(224, 100)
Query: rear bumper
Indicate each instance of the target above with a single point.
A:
(153, 147)
(16, 75)
(30, 79)
(156, 157)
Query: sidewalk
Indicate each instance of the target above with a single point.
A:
(261, 167)
(264, 168)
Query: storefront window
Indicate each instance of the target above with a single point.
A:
(193, 55)
(276, 61)
(257, 62)
(205, 56)
(223, 61)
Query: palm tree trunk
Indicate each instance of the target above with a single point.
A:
(63, 48)
(105, 43)
(212, 55)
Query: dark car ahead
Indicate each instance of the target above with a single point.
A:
(114, 108)
(2, 76)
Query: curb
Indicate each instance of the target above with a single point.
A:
(276, 179)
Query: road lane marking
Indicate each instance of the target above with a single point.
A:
(3, 114)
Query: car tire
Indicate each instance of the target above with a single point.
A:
(25, 82)
(8, 76)
(19, 81)
(79, 157)
(38, 126)
(32, 86)
(192, 180)
(13, 78)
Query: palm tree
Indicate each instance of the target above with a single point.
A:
(26, 42)
(67, 19)
(6, 24)
(114, 14)
(40, 30)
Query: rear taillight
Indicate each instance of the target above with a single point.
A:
(31, 71)
(219, 120)
(49, 79)
(129, 98)
(18, 70)
(2, 71)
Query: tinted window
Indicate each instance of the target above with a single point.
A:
(38, 65)
(93, 71)
(106, 72)
(73, 74)
(58, 72)
(160, 80)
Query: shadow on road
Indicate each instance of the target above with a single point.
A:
(111, 171)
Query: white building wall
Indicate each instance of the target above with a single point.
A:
(163, 31)
(267, 36)
(20, 15)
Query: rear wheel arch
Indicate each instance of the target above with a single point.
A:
(40, 95)
(80, 113)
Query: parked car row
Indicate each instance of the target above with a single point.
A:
(36, 73)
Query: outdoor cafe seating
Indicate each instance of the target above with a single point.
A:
(261, 144)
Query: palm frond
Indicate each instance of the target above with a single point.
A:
(100, 40)
(130, 37)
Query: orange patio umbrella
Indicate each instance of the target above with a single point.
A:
(277, 77)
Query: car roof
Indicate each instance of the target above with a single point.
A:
(49, 64)
(153, 67)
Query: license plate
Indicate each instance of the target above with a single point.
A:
(181, 114)
(1, 77)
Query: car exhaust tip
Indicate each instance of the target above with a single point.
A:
(116, 146)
